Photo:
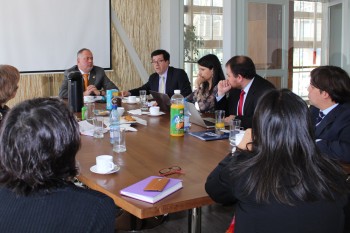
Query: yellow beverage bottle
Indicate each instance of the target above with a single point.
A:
(177, 114)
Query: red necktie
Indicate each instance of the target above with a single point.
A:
(240, 103)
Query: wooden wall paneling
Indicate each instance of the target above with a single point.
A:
(257, 34)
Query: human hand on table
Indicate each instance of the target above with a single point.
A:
(229, 118)
(91, 89)
(125, 93)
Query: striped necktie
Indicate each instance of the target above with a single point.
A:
(319, 118)
(240, 103)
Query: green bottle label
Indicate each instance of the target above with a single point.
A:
(83, 113)
(177, 120)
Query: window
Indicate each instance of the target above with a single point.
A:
(306, 43)
(203, 32)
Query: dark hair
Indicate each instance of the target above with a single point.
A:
(333, 80)
(242, 65)
(165, 54)
(285, 162)
(211, 61)
(38, 143)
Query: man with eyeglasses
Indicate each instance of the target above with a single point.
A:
(166, 78)
(329, 96)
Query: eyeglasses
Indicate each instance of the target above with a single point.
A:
(171, 170)
(157, 62)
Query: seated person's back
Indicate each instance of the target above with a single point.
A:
(281, 183)
(39, 140)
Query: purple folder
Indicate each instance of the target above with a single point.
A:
(136, 190)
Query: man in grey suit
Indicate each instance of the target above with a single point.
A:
(166, 79)
(96, 82)
(241, 77)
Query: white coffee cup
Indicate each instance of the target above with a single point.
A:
(104, 163)
(132, 99)
(154, 110)
(120, 110)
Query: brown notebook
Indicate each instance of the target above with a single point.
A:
(156, 184)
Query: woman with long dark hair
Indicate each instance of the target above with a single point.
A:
(279, 181)
(209, 75)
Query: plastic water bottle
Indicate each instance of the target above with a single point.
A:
(177, 114)
(187, 115)
(114, 127)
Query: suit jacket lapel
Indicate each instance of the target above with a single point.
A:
(250, 97)
(328, 119)
(92, 76)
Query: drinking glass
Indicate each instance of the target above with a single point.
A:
(119, 142)
(219, 121)
(143, 100)
(98, 127)
(90, 111)
(234, 129)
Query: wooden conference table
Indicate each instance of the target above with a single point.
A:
(150, 149)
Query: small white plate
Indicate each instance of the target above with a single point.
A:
(159, 114)
(116, 168)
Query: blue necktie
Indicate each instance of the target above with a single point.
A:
(320, 117)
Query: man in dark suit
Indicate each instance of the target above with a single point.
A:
(96, 82)
(329, 96)
(166, 78)
(242, 89)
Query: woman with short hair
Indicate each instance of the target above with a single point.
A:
(38, 144)
(9, 78)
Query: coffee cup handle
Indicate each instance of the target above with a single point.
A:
(112, 166)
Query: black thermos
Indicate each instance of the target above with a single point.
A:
(75, 91)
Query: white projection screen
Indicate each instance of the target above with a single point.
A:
(45, 35)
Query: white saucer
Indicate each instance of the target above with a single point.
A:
(161, 113)
(128, 102)
(116, 168)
